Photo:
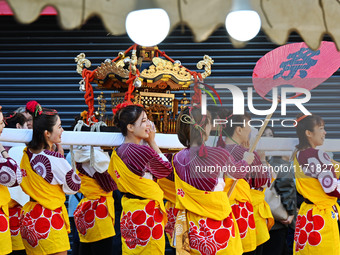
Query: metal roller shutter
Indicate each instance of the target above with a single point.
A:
(37, 63)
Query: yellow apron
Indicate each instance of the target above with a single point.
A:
(44, 224)
(316, 230)
(5, 233)
(264, 219)
(241, 204)
(169, 190)
(212, 227)
(14, 224)
(95, 213)
(142, 220)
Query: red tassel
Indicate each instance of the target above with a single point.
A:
(220, 142)
(203, 152)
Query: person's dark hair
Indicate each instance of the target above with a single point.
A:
(214, 111)
(307, 123)
(191, 133)
(127, 115)
(235, 120)
(271, 129)
(43, 120)
(13, 118)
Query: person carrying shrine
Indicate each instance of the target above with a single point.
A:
(317, 229)
(10, 176)
(251, 211)
(44, 222)
(135, 169)
(200, 173)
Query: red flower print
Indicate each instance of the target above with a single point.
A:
(180, 192)
(57, 221)
(14, 220)
(150, 207)
(3, 222)
(244, 216)
(170, 225)
(117, 174)
(139, 226)
(85, 214)
(36, 224)
(157, 231)
(211, 235)
(306, 230)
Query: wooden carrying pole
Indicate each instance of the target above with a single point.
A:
(252, 147)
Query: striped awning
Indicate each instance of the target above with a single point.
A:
(312, 19)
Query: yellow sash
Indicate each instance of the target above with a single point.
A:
(48, 195)
(264, 219)
(102, 227)
(241, 192)
(128, 182)
(210, 210)
(12, 203)
(91, 189)
(149, 215)
(311, 188)
(317, 228)
(214, 205)
(168, 188)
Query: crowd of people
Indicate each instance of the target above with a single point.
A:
(173, 196)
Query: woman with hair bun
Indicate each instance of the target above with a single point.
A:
(135, 169)
(47, 177)
(28, 112)
(16, 120)
(10, 176)
(316, 174)
(200, 172)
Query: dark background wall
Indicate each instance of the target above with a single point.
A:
(37, 63)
